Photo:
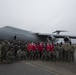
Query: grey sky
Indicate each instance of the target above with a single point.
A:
(43, 16)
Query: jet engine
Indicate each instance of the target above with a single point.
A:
(50, 38)
(67, 39)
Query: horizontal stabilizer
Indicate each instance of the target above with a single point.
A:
(58, 31)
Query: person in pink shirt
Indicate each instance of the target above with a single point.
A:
(52, 47)
(29, 47)
(48, 47)
(40, 48)
(33, 48)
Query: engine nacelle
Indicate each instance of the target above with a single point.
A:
(67, 39)
(51, 38)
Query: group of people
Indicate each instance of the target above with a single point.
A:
(18, 51)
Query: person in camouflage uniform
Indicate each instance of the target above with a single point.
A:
(60, 52)
(26, 54)
(46, 55)
(43, 54)
(23, 55)
(49, 55)
(56, 48)
(0, 49)
(72, 51)
(3, 52)
(7, 46)
(19, 54)
(10, 56)
(31, 56)
(55, 53)
(67, 51)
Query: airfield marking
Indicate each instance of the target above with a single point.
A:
(50, 71)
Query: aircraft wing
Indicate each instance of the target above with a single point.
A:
(57, 35)
(62, 36)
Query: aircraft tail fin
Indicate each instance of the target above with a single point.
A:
(58, 31)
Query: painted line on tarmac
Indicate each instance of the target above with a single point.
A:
(50, 71)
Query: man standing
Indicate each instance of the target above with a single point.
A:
(40, 48)
(10, 56)
(72, 51)
(19, 54)
(3, 52)
(67, 50)
(33, 48)
(0, 49)
(60, 52)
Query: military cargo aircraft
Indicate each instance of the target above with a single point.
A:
(12, 33)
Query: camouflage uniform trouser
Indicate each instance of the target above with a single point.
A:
(43, 56)
(60, 55)
(9, 60)
(19, 58)
(54, 57)
(71, 56)
(67, 55)
(57, 55)
(31, 55)
(0, 55)
(23, 57)
(47, 55)
(39, 55)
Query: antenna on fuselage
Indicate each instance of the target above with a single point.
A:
(58, 31)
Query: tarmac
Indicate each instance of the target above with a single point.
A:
(39, 67)
(22, 68)
(57, 68)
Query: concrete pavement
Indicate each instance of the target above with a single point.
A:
(22, 68)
